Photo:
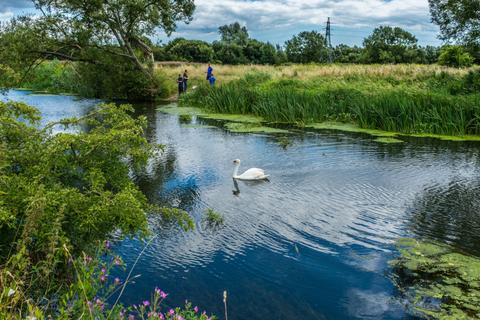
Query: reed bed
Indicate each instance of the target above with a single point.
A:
(406, 98)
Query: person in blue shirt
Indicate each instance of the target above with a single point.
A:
(212, 80)
(209, 71)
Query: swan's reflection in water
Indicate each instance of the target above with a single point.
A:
(236, 188)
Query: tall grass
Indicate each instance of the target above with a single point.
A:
(441, 103)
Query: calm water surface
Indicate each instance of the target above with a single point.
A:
(315, 241)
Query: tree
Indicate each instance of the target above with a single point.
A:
(347, 54)
(307, 46)
(260, 52)
(229, 53)
(94, 32)
(191, 50)
(390, 45)
(455, 56)
(459, 20)
(234, 34)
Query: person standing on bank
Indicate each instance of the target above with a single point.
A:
(209, 71)
(180, 84)
(185, 80)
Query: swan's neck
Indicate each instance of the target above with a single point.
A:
(235, 171)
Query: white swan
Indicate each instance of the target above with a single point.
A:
(250, 174)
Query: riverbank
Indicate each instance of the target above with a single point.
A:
(412, 100)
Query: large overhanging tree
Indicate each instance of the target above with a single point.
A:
(85, 30)
(459, 20)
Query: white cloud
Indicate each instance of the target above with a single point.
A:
(282, 18)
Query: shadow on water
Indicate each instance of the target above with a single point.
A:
(449, 214)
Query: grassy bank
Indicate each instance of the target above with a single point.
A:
(403, 98)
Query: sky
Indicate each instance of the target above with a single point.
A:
(278, 20)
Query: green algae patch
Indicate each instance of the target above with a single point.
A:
(197, 126)
(232, 117)
(445, 137)
(239, 127)
(173, 109)
(438, 282)
(348, 127)
(388, 140)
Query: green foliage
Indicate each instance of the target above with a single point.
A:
(390, 45)
(213, 219)
(307, 46)
(455, 56)
(439, 282)
(8, 77)
(234, 34)
(65, 191)
(191, 51)
(459, 20)
(55, 77)
(185, 118)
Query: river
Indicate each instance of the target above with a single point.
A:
(312, 243)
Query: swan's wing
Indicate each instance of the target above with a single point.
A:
(253, 174)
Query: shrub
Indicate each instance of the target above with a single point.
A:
(455, 56)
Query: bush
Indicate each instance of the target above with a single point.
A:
(455, 56)
(62, 193)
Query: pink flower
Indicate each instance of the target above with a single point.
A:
(99, 303)
(117, 281)
(146, 303)
(179, 317)
(171, 312)
(163, 295)
(104, 270)
(195, 309)
(160, 316)
(103, 278)
(131, 317)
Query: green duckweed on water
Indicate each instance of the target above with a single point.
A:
(438, 282)
(388, 140)
(197, 126)
(239, 127)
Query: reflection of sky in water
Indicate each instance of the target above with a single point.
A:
(313, 242)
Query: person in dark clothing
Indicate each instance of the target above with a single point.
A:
(185, 80)
(180, 84)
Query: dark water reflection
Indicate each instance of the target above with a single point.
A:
(314, 242)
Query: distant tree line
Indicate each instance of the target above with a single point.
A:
(386, 44)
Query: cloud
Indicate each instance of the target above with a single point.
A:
(277, 18)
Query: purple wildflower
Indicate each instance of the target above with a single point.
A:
(171, 312)
(103, 278)
(117, 261)
(146, 303)
(104, 270)
(195, 309)
(99, 303)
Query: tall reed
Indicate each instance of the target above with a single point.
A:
(414, 105)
